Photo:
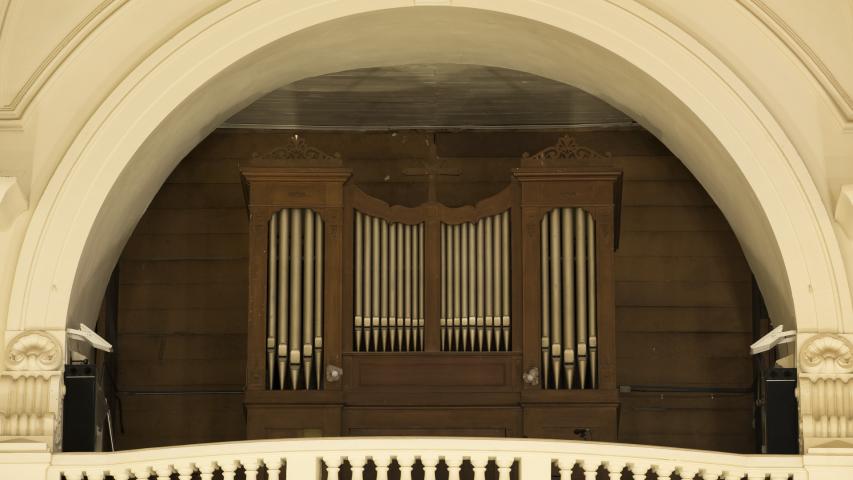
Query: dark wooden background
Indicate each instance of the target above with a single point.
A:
(683, 288)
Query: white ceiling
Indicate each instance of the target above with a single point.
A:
(427, 96)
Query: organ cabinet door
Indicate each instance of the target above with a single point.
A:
(491, 319)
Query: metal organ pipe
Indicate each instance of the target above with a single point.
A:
(591, 300)
(546, 300)
(308, 299)
(375, 288)
(388, 284)
(392, 285)
(318, 298)
(556, 280)
(383, 297)
(407, 284)
(295, 299)
(359, 278)
(472, 283)
(463, 286)
(368, 282)
(489, 267)
(457, 267)
(445, 287)
(497, 240)
(420, 291)
(476, 285)
(568, 299)
(580, 273)
(283, 292)
(505, 259)
(481, 299)
(272, 297)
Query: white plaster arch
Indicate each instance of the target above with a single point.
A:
(620, 51)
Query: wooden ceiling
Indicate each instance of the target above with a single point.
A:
(436, 96)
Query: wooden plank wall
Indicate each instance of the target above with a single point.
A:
(683, 287)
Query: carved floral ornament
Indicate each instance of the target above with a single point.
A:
(566, 148)
(298, 149)
(33, 351)
(827, 353)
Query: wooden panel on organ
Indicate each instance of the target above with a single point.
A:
(495, 318)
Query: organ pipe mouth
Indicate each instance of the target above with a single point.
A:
(568, 300)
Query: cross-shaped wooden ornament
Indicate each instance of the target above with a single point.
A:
(432, 169)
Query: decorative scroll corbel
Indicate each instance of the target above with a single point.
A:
(825, 371)
(32, 376)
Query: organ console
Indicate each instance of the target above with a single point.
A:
(491, 319)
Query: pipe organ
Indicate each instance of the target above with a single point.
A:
(491, 319)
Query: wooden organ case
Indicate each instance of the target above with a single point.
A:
(493, 319)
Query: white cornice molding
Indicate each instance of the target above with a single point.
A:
(841, 98)
(16, 107)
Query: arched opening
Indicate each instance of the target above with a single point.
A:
(701, 113)
(684, 292)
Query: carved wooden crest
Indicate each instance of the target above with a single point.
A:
(566, 148)
(297, 150)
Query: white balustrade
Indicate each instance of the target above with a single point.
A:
(306, 459)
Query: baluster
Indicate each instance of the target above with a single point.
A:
(185, 472)
(406, 463)
(251, 469)
(73, 474)
(730, 475)
(664, 472)
(381, 462)
(614, 470)
(333, 467)
(356, 464)
(94, 474)
(479, 463)
(123, 474)
(163, 472)
(590, 468)
(206, 471)
(273, 465)
(710, 475)
(228, 468)
(454, 464)
(778, 476)
(565, 465)
(504, 467)
(639, 470)
(687, 473)
(429, 462)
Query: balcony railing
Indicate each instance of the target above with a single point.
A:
(431, 458)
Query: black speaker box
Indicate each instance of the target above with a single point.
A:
(781, 422)
(82, 412)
